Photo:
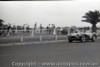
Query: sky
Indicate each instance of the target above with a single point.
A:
(60, 13)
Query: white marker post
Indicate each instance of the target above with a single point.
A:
(54, 33)
(56, 37)
(40, 37)
(16, 30)
(32, 32)
(22, 39)
(68, 31)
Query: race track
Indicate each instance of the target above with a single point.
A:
(54, 52)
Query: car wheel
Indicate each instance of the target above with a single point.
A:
(83, 39)
(70, 41)
(93, 38)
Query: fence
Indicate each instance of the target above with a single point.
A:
(32, 35)
(38, 38)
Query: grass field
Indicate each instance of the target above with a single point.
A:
(27, 37)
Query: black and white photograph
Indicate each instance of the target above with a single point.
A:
(50, 33)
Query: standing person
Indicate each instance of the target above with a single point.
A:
(27, 28)
(49, 29)
(41, 28)
(35, 27)
(53, 28)
(13, 29)
(9, 29)
(4, 31)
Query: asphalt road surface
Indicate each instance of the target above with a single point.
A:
(57, 54)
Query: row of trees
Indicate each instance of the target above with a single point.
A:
(1, 22)
(8, 29)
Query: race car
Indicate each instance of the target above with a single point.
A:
(82, 36)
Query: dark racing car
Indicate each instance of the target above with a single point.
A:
(82, 36)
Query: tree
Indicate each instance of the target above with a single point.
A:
(92, 17)
(1, 22)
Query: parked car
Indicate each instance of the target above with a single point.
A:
(82, 36)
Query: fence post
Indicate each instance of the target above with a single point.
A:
(56, 37)
(22, 39)
(32, 32)
(40, 37)
(68, 30)
(54, 31)
(16, 30)
(8, 34)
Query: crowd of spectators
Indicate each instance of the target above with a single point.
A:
(8, 29)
